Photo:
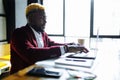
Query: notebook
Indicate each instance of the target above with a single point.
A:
(74, 62)
(77, 59)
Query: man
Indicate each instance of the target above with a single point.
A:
(30, 43)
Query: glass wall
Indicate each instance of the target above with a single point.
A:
(2, 23)
(107, 18)
(68, 18)
(54, 13)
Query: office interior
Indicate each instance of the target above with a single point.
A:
(95, 21)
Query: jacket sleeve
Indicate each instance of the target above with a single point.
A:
(24, 45)
(49, 42)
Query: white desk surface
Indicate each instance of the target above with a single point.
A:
(106, 66)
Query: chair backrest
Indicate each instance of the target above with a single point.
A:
(5, 51)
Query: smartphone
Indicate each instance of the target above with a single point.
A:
(41, 72)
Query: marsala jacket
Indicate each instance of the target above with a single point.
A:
(25, 51)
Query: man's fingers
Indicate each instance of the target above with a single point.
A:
(83, 49)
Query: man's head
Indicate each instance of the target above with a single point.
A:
(36, 18)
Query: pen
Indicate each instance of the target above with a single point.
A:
(75, 60)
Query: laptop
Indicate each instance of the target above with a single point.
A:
(79, 59)
(90, 55)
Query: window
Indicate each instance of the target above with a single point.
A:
(68, 18)
(77, 18)
(106, 19)
(2, 23)
(54, 13)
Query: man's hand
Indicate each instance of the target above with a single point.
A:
(76, 48)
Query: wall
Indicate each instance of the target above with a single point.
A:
(20, 12)
(2, 23)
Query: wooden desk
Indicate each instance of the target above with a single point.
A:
(21, 75)
(106, 67)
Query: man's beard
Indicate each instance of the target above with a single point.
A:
(39, 29)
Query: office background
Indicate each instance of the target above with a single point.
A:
(67, 20)
(70, 20)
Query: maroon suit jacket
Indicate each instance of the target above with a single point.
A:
(25, 51)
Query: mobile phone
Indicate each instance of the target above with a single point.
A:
(41, 72)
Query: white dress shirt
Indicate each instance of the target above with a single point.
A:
(39, 39)
(40, 42)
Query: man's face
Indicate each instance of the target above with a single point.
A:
(37, 21)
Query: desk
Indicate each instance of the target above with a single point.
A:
(106, 67)
(21, 75)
